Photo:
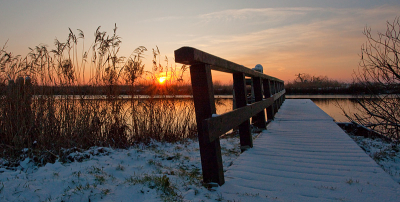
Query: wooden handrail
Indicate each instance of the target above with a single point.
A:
(269, 93)
(192, 56)
(219, 125)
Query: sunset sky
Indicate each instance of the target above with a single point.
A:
(287, 37)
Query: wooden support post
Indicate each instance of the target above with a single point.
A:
(280, 89)
(274, 91)
(283, 88)
(267, 94)
(203, 96)
(283, 96)
(239, 83)
(278, 103)
(280, 98)
(259, 119)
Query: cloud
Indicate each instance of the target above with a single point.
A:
(318, 40)
(326, 18)
(254, 13)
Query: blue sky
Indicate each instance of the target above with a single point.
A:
(287, 37)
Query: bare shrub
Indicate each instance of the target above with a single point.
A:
(379, 72)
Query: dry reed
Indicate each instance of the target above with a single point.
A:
(48, 124)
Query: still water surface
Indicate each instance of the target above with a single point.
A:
(330, 104)
(333, 105)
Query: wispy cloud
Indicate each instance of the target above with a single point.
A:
(253, 13)
(318, 40)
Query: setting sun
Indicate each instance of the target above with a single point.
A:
(161, 80)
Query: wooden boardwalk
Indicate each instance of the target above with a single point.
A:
(305, 156)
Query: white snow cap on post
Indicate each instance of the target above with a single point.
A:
(258, 68)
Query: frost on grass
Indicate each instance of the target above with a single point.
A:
(386, 154)
(154, 172)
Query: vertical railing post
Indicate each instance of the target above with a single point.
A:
(280, 89)
(239, 83)
(284, 96)
(258, 96)
(267, 94)
(276, 103)
(274, 91)
(203, 96)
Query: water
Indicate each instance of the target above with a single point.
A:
(330, 104)
(333, 105)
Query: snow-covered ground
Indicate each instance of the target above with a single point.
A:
(386, 154)
(157, 172)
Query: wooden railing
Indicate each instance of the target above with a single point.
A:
(210, 126)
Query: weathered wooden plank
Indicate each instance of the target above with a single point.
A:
(279, 87)
(203, 96)
(259, 119)
(267, 94)
(275, 90)
(219, 125)
(279, 94)
(239, 82)
(191, 56)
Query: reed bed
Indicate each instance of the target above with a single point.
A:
(38, 123)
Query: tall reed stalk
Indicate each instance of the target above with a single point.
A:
(76, 118)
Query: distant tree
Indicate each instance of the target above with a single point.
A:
(305, 83)
(379, 72)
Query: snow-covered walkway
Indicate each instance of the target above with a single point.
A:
(305, 156)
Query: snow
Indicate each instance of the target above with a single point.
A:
(385, 154)
(284, 165)
(117, 175)
(305, 156)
